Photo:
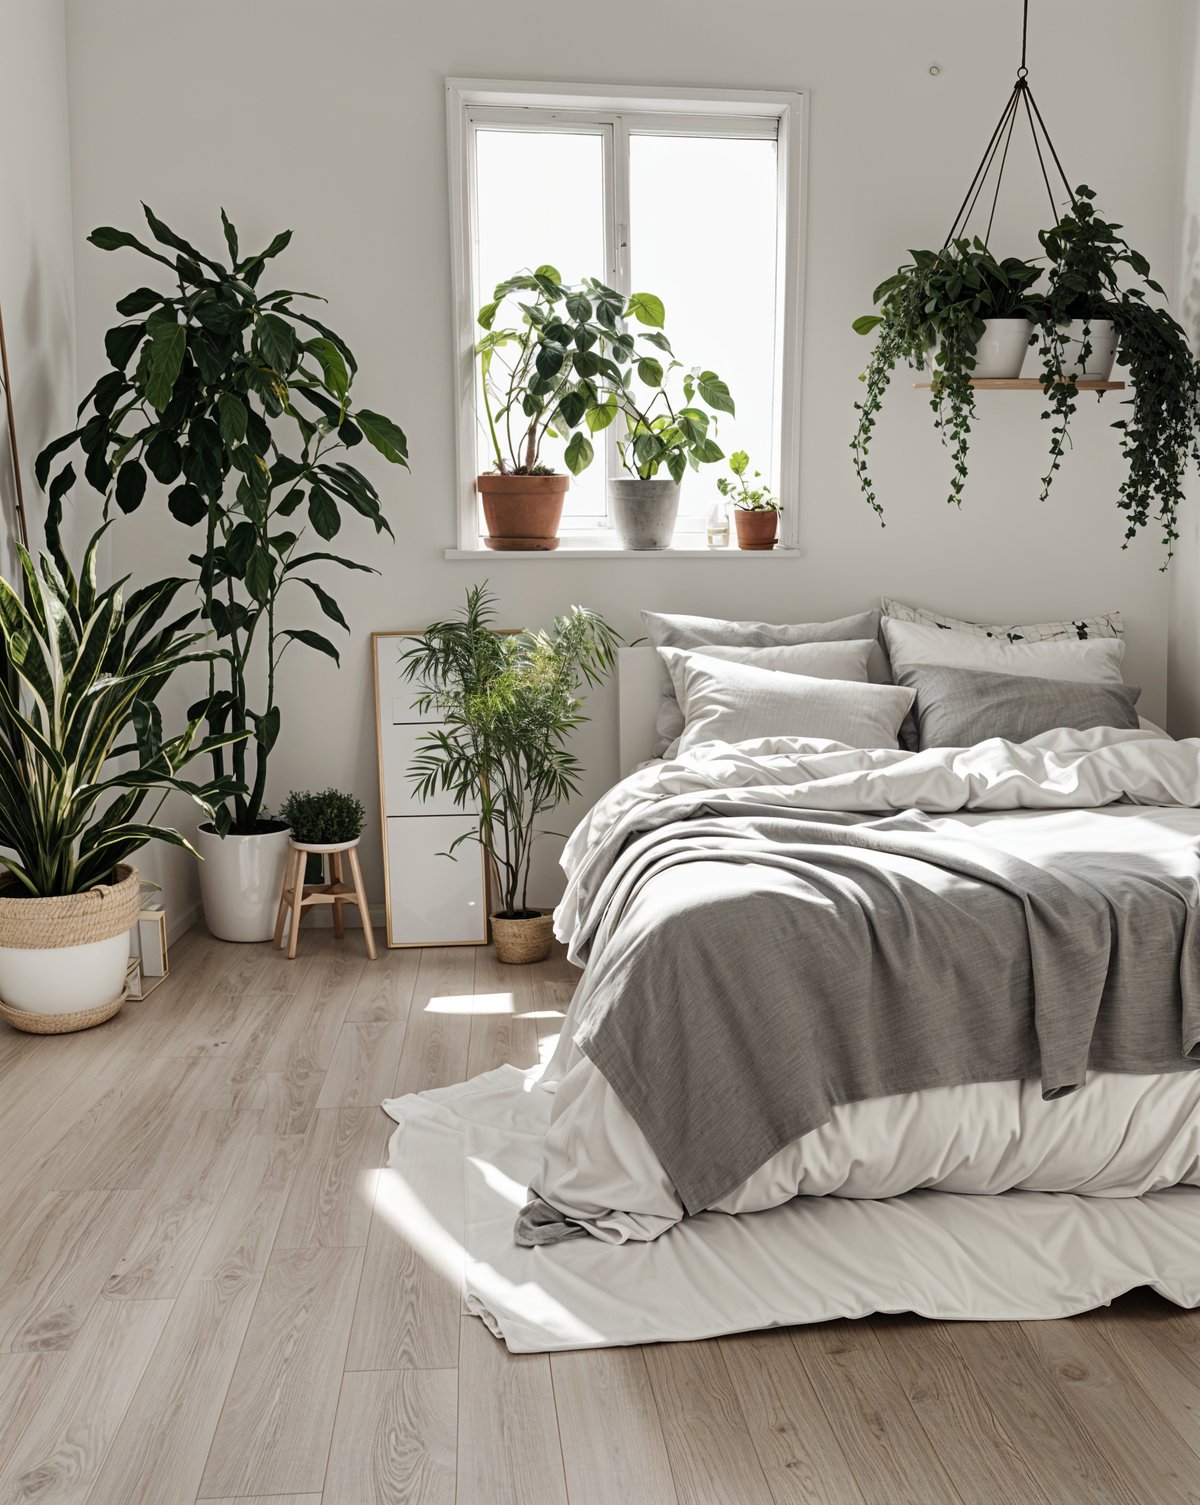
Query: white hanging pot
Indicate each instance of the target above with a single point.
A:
(1000, 353)
(1102, 336)
(241, 878)
(63, 960)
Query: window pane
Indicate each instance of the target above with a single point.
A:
(703, 214)
(520, 197)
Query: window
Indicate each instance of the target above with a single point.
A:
(691, 195)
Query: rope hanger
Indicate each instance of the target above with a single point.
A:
(1001, 137)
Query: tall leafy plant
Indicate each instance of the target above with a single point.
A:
(82, 746)
(508, 703)
(241, 402)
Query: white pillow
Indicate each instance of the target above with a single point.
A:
(1083, 660)
(1110, 625)
(818, 660)
(731, 702)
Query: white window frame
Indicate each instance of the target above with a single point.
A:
(620, 111)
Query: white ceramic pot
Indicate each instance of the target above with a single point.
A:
(63, 960)
(241, 878)
(1099, 364)
(1000, 352)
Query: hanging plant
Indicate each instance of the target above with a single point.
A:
(932, 313)
(1087, 256)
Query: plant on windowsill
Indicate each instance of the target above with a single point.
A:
(755, 509)
(508, 703)
(82, 755)
(1088, 318)
(241, 404)
(960, 311)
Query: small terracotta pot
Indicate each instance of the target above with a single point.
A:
(523, 940)
(755, 530)
(522, 512)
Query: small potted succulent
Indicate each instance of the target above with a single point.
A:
(536, 360)
(963, 314)
(755, 509)
(1091, 310)
(508, 703)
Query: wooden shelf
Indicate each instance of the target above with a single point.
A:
(1030, 384)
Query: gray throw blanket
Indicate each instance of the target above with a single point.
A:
(753, 970)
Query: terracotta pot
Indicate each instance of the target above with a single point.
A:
(756, 530)
(522, 512)
(526, 940)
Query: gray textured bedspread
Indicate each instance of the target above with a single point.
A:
(754, 969)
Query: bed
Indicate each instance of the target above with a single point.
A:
(795, 1044)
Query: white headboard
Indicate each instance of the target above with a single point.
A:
(639, 690)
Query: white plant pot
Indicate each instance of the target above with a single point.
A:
(644, 512)
(241, 878)
(1099, 364)
(64, 979)
(1000, 352)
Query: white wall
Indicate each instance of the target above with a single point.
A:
(329, 119)
(36, 253)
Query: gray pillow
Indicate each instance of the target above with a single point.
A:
(959, 707)
(699, 633)
(731, 702)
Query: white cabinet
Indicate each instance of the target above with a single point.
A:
(432, 899)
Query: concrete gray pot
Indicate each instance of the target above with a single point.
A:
(644, 512)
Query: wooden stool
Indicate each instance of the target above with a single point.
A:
(297, 897)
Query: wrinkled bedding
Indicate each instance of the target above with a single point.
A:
(1106, 819)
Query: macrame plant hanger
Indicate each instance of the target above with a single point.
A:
(996, 150)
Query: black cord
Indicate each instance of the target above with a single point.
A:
(980, 171)
(987, 234)
(1037, 146)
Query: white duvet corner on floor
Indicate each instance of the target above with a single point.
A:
(1019, 1256)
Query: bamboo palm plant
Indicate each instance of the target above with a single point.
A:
(508, 703)
(82, 748)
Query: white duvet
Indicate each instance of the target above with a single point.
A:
(1120, 1136)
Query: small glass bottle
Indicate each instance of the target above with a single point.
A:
(718, 524)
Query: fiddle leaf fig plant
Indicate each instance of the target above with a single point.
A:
(1095, 274)
(239, 402)
(931, 316)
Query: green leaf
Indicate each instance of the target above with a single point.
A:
(187, 506)
(323, 511)
(167, 344)
(714, 392)
(47, 457)
(167, 237)
(164, 458)
(867, 323)
(646, 309)
(232, 419)
(549, 360)
(260, 574)
(486, 316)
(333, 367)
(578, 454)
(349, 564)
(738, 461)
(231, 237)
(650, 371)
(140, 301)
(600, 416)
(276, 340)
(384, 435)
(313, 640)
(328, 605)
(131, 485)
(105, 238)
(121, 342)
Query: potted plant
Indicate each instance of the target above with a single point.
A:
(328, 822)
(82, 751)
(959, 311)
(535, 369)
(508, 703)
(755, 510)
(1089, 314)
(241, 403)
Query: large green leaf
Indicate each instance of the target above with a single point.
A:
(579, 453)
(260, 575)
(276, 340)
(167, 345)
(313, 640)
(131, 486)
(121, 342)
(231, 419)
(187, 506)
(646, 309)
(326, 602)
(386, 437)
(333, 366)
(108, 239)
(323, 512)
(714, 392)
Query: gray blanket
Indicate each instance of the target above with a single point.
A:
(753, 970)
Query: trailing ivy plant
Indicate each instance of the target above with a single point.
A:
(931, 315)
(241, 403)
(1088, 258)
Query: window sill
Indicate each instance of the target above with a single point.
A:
(565, 551)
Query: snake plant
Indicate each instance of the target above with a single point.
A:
(82, 748)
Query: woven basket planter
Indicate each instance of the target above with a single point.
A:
(523, 940)
(62, 960)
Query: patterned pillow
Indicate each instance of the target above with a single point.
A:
(1108, 626)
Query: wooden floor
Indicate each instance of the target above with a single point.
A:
(202, 1299)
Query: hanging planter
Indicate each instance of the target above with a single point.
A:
(939, 313)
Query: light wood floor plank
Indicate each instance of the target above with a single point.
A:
(508, 1452)
(439, 1025)
(267, 1500)
(366, 1060)
(1060, 1453)
(275, 1428)
(334, 1187)
(502, 1029)
(394, 1440)
(384, 991)
(713, 1460)
(58, 1261)
(612, 1442)
(64, 1446)
(796, 1446)
(1142, 1333)
(885, 1445)
(24, 1382)
(984, 1461)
